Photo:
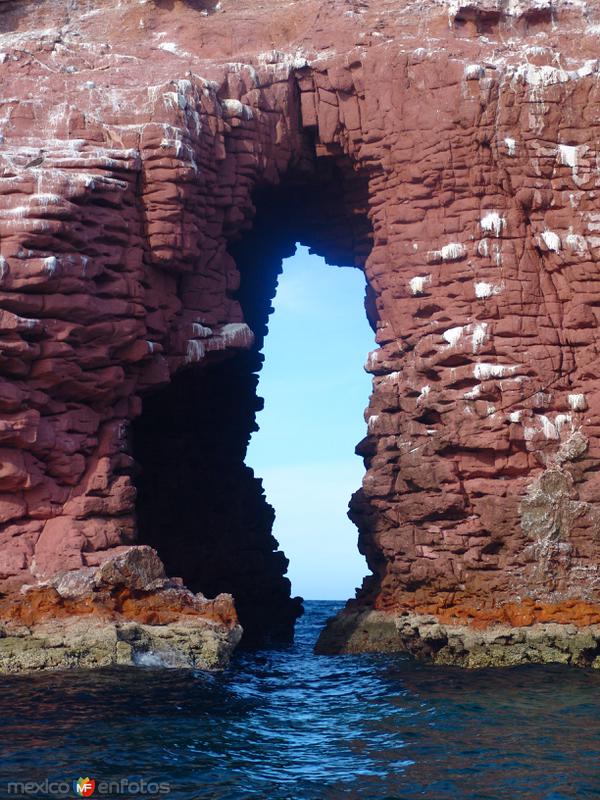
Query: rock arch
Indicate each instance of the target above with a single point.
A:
(198, 505)
(137, 146)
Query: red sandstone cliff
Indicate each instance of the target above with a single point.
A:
(157, 161)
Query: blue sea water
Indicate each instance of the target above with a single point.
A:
(284, 724)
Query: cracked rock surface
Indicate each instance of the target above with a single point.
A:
(457, 146)
(125, 611)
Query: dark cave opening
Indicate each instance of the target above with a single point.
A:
(198, 504)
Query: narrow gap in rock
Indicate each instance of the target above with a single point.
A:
(198, 503)
(315, 392)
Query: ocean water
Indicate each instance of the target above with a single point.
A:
(284, 724)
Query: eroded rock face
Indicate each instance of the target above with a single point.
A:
(126, 611)
(148, 149)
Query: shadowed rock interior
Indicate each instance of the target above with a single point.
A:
(198, 505)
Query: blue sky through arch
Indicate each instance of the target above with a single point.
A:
(315, 392)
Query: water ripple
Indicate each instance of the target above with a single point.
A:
(284, 724)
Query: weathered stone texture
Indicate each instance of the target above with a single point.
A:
(126, 611)
(133, 138)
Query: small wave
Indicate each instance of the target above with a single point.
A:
(150, 658)
(283, 723)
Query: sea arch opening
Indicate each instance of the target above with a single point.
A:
(198, 503)
(315, 392)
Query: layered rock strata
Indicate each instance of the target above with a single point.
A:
(124, 612)
(148, 149)
(489, 643)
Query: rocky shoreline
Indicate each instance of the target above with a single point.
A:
(126, 611)
(424, 637)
